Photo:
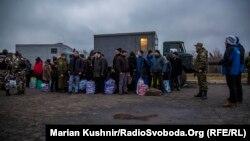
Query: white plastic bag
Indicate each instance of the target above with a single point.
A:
(141, 87)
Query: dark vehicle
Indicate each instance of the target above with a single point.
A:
(170, 47)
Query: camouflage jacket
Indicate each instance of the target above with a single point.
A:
(201, 62)
(62, 66)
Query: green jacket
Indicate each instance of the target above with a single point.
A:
(201, 62)
(62, 66)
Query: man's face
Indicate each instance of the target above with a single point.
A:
(97, 55)
(117, 52)
(197, 48)
(174, 56)
(76, 54)
(125, 53)
(156, 54)
(138, 53)
(63, 56)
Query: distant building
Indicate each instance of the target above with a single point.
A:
(108, 43)
(44, 51)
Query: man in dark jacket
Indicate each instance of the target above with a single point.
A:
(54, 75)
(132, 69)
(116, 66)
(75, 70)
(28, 72)
(124, 72)
(158, 63)
(142, 67)
(176, 71)
(100, 71)
(150, 57)
(231, 68)
(242, 69)
(247, 64)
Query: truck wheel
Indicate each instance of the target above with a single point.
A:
(183, 78)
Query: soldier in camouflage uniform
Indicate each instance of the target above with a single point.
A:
(18, 67)
(201, 67)
(247, 64)
(3, 68)
(62, 72)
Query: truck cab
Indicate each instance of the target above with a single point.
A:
(169, 47)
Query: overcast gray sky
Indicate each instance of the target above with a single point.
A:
(74, 22)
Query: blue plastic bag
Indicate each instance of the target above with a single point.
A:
(166, 86)
(109, 87)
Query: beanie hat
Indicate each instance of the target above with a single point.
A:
(231, 40)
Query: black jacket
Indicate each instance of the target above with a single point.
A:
(75, 67)
(100, 67)
(176, 67)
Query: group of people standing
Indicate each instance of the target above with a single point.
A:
(64, 75)
(232, 67)
(153, 70)
(127, 69)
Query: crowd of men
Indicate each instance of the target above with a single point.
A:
(64, 75)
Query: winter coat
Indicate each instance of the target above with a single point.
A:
(201, 62)
(132, 63)
(231, 61)
(157, 64)
(75, 66)
(118, 60)
(47, 72)
(176, 67)
(167, 70)
(100, 67)
(38, 68)
(62, 67)
(142, 67)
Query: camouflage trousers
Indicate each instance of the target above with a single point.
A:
(21, 82)
(62, 82)
(202, 81)
(3, 74)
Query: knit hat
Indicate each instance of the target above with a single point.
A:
(231, 40)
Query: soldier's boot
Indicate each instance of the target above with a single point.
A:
(199, 94)
(7, 92)
(204, 95)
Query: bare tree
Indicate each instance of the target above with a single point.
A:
(214, 57)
